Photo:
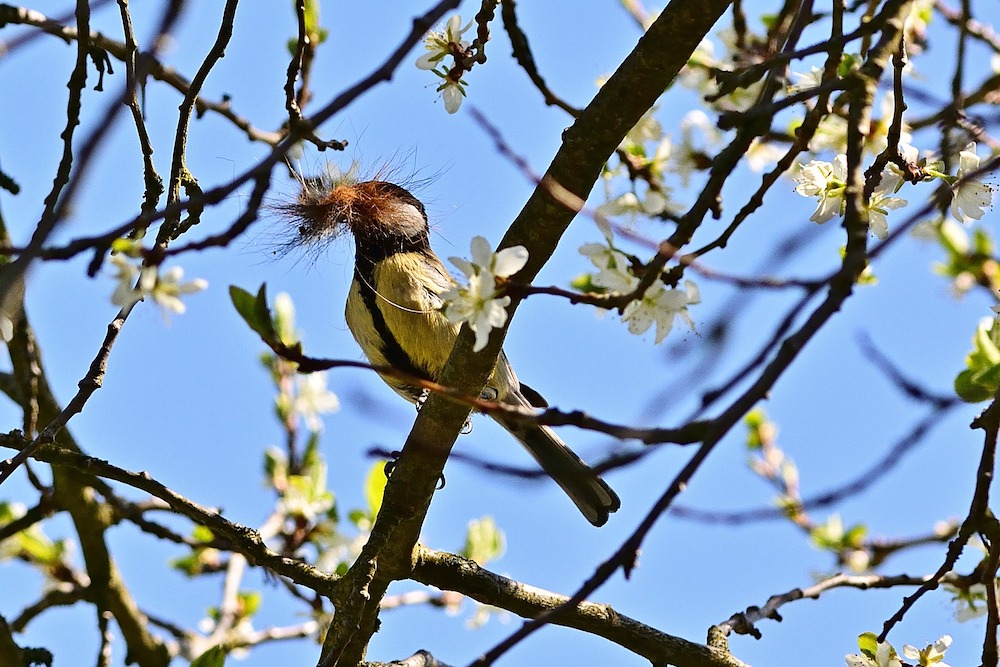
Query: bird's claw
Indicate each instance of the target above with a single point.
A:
(390, 465)
(422, 398)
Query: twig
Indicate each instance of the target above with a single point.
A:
(263, 168)
(151, 66)
(978, 518)
(744, 622)
(180, 177)
(861, 482)
(243, 539)
(522, 54)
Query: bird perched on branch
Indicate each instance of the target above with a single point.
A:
(394, 310)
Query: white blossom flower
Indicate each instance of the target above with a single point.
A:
(477, 303)
(136, 282)
(168, 288)
(968, 608)
(647, 129)
(628, 204)
(612, 265)
(692, 153)
(831, 134)
(805, 81)
(661, 305)
(125, 293)
(440, 43)
(313, 398)
(915, 26)
(970, 196)
(932, 655)
(697, 73)
(857, 560)
(306, 496)
(881, 203)
(885, 656)
(452, 92)
(762, 154)
(826, 181)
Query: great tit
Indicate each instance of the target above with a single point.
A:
(394, 310)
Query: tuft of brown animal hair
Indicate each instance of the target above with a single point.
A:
(329, 205)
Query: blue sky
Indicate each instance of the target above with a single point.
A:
(186, 400)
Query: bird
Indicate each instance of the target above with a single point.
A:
(394, 310)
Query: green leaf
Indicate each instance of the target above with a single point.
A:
(275, 468)
(968, 390)
(585, 283)
(868, 643)
(855, 535)
(311, 456)
(988, 378)
(375, 482)
(848, 62)
(982, 242)
(754, 420)
(254, 311)
(249, 603)
(202, 534)
(316, 32)
(213, 657)
(980, 379)
(483, 541)
(986, 347)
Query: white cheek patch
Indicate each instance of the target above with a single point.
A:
(406, 219)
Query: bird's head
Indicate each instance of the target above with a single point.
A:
(381, 216)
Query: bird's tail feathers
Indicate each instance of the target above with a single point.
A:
(591, 494)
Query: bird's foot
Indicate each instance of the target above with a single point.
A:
(390, 465)
(422, 398)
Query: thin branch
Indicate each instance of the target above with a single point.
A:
(151, 66)
(744, 622)
(859, 484)
(979, 517)
(244, 540)
(522, 54)
(263, 168)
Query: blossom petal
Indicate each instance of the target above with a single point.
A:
(429, 60)
(693, 293)
(464, 266)
(509, 261)
(878, 225)
(452, 96)
(482, 255)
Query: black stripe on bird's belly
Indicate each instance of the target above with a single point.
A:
(390, 348)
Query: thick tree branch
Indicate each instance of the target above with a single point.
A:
(618, 105)
(454, 573)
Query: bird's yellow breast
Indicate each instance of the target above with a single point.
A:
(396, 310)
